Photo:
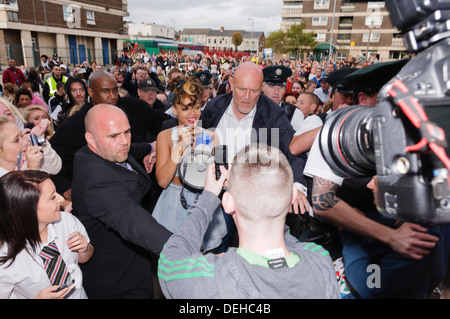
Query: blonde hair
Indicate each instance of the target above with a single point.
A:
(26, 112)
(3, 120)
(14, 110)
(260, 182)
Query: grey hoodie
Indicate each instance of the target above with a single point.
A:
(184, 272)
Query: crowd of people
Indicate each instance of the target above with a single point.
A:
(95, 199)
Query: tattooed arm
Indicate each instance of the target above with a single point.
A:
(329, 206)
(409, 240)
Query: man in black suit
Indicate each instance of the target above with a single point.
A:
(108, 187)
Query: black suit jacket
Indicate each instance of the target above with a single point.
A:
(107, 200)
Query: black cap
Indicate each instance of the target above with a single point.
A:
(373, 77)
(147, 85)
(338, 80)
(276, 74)
(204, 77)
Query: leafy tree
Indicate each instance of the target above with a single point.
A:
(277, 41)
(298, 40)
(237, 39)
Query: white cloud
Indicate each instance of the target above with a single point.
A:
(231, 14)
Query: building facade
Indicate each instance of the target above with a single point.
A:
(221, 40)
(353, 28)
(76, 31)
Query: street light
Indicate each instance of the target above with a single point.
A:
(251, 46)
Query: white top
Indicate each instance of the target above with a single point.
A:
(323, 96)
(26, 276)
(297, 119)
(3, 171)
(234, 133)
(317, 166)
(309, 123)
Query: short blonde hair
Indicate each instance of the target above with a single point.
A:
(26, 112)
(260, 182)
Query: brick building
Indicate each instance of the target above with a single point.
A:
(75, 30)
(354, 28)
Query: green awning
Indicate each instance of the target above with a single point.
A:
(325, 46)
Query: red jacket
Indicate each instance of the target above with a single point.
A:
(10, 77)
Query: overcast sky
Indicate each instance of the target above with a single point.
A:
(231, 14)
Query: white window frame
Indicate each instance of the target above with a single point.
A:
(321, 4)
(90, 20)
(374, 21)
(374, 37)
(319, 21)
(321, 37)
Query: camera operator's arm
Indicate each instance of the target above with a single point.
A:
(409, 240)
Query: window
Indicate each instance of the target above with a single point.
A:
(375, 20)
(321, 37)
(374, 37)
(90, 17)
(13, 16)
(375, 5)
(321, 4)
(319, 20)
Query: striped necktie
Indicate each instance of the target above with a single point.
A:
(54, 265)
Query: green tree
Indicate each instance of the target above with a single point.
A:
(277, 41)
(237, 39)
(297, 40)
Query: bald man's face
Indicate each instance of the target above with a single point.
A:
(246, 85)
(110, 136)
(104, 90)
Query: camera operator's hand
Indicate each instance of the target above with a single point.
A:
(412, 241)
(212, 184)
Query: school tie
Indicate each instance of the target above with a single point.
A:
(54, 265)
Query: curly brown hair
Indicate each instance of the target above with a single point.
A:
(190, 87)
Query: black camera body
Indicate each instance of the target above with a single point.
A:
(402, 139)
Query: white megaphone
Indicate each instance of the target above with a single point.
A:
(192, 170)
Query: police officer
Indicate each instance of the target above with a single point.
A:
(205, 78)
(368, 80)
(50, 84)
(274, 86)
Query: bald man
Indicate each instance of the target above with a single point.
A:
(107, 190)
(145, 125)
(245, 115)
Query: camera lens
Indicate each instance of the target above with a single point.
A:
(346, 141)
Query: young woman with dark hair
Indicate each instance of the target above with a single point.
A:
(40, 246)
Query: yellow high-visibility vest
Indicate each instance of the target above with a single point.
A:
(52, 84)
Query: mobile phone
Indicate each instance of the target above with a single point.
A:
(28, 125)
(220, 158)
(65, 285)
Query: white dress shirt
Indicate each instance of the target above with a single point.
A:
(234, 133)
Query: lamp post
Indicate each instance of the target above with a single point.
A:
(251, 46)
(332, 27)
